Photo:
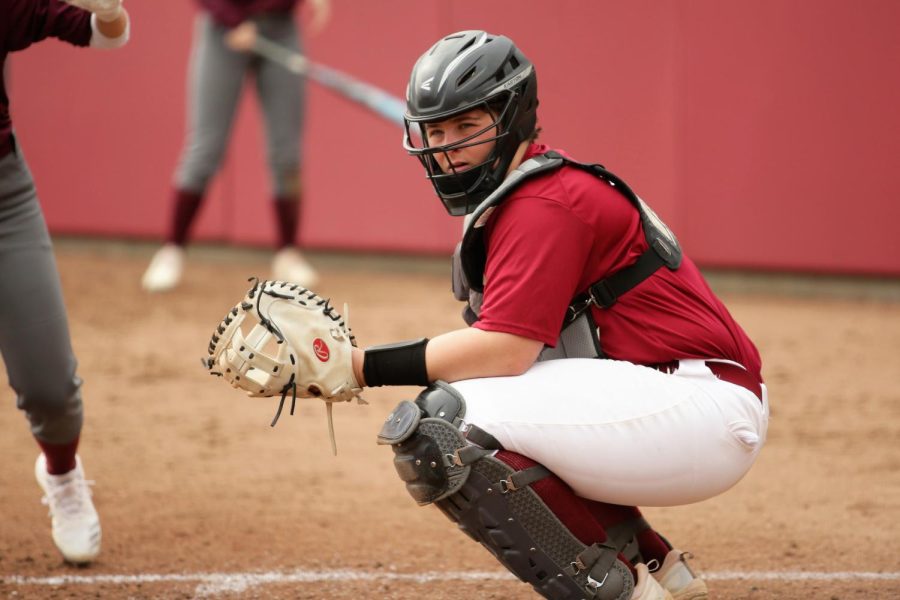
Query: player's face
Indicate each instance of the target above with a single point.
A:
(457, 128)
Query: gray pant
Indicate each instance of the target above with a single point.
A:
(215, 79)
(34, 330)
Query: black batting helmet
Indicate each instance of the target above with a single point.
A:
(463, 71)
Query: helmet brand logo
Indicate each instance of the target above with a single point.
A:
(320, 348)
(512, 82)
(516, 79)
(427, 84)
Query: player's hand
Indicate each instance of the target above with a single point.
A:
(321, 13)
(243, 37)
(106, 10)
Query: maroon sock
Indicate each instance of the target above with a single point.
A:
(651, 545)
(562, 501)
(60, 457)
(185, 207)
(287, 215)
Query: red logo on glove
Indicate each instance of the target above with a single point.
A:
(321, 349)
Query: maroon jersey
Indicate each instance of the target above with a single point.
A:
(557, 234)
(25, 22)
(231, 13)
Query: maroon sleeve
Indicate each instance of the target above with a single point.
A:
(30, 21)
(536, 253)
(223, 12)
(232, 13)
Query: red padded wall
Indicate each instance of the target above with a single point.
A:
(790, 134)
(764, 131)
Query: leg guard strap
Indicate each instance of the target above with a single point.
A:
(520, 479)
(623, 536)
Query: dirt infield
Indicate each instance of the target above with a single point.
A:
(193, 485)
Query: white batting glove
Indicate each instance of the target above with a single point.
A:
(106, 10)
(243, 37)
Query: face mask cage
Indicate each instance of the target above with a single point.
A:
(461, 192)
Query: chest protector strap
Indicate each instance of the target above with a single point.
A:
(663, 248)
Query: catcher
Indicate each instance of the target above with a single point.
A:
(598, 371)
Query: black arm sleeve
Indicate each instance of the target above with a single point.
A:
(402, 363)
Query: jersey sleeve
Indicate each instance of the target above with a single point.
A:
(536, 252)
(223, 12)
(30, 21)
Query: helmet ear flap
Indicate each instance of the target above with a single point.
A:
(524, 119)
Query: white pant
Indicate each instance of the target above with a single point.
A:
(622, 433)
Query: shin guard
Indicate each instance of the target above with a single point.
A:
(515, 525)
(494, 504)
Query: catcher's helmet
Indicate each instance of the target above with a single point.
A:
(466, 70)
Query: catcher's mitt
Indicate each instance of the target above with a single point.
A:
(298, 344)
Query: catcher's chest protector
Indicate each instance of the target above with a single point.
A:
(494, 504)
(580, 336)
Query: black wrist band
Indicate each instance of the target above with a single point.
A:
(402, 363)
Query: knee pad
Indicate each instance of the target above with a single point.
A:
(493, 503)
(431, 454)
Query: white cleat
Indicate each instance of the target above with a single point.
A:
(290, 266)
(647, 587)
(676, 576)
(165, 269)
(76, 526)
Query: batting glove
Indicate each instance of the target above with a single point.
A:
(106, 10)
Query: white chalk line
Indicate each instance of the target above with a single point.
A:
(218, 583)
